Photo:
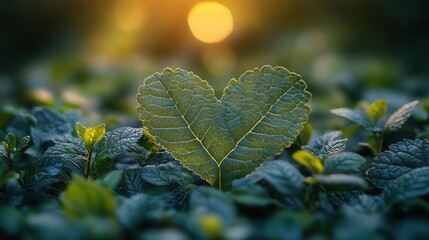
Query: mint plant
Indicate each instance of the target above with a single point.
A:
(370, 120)
(258, 115)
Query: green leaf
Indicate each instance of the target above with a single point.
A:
(415, 183)
(86, 198)
(80, 130)
(132, 182)
(23, 143)
(341, 182)
(283, 176)
(166, 174)
(49, 124)
(400, 159)
(398, 118)
(102, 166)
(328, 144)
(343, 162)
(111, 179)
(138, 208)
(117, 141)
(221, 140)
(377, 110)
(93, 135)
(354, 116)
(308, 160)
(11, 142)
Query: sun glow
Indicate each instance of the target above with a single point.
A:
(210, 22)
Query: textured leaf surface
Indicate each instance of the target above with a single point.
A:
(400, 159)
(377, 110)
(412, 184)
(354, 116)
(259, 114)
(344, 162)
(117, 141)
(398, 118)
(283, 176)
(166, 174)
(328, 144)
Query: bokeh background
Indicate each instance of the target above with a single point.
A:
(94, 54)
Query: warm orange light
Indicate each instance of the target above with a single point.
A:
(130, 15)
(210, 22)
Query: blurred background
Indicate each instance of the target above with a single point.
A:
(93, 55)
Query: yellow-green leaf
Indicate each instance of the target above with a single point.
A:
(86, 198)
(308, 160)
(258, 115)
(377, 110)
(93, 135)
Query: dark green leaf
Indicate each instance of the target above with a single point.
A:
(412, 184)
(49, 124)
(355, 116)
(343, 162)
(117, 141)
(401, 158)
(11, 142)
(326, 145)
(111, 179)
(23, 143)
(283, 176)
(166, 174)
(134, 211)
(398, 118)
(132, 182)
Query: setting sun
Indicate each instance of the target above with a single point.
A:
(210, 22)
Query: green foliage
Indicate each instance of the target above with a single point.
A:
(400, 159)
(69, 181)
(221, 140)
(84, 198)
(370, 120)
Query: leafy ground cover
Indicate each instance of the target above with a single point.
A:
(245, 166)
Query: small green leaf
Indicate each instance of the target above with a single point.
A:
(23, 143)
(355, 116)
(415, 183)
(80, 130)
(343, 162)
(112, 179)
(377, 110)
(93, 135)
(118, 140)
(166, 174)
(86, 198)
(398, 118)
(11, 142)
(400, 159)
(308, 160)
(283, 176)
(326, 145)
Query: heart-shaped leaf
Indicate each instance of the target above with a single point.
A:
(221, 140)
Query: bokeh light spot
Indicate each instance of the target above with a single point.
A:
(130, 15)
(210, 22)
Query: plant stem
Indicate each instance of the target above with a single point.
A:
(88, 165)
